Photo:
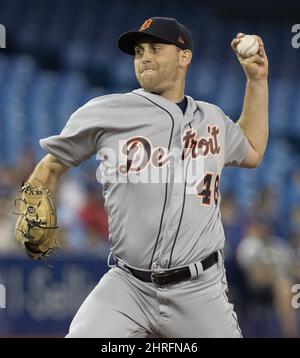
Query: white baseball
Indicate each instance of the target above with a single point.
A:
(248, 46)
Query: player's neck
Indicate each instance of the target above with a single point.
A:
(175, 95)
(173, 90)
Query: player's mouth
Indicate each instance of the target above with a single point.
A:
(147, 70)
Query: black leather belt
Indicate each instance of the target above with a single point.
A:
(171, 276)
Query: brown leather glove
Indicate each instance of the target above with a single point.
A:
(36, 225)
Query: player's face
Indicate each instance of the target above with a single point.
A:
(156, 66)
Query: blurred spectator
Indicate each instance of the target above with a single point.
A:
(7, 219)
(6, 181)
(294, 188)
(267, 206)
(7, 225)
(24, 166)
(294, 222)
(69, 199)
(94, 220)
(295, 245)
(268, 264)
(81, 215)
(232, 223)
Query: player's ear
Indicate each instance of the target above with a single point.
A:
(185, 58)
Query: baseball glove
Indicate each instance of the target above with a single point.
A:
(36, 225)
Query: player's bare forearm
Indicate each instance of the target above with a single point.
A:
(254, 117)
(48, 171)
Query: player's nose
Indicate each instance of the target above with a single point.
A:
(146, 62)
(147, 55)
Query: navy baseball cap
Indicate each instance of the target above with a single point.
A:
(161, 29)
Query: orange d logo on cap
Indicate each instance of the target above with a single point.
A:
(146, 25)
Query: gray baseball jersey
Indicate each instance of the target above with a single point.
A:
(157, 217)
(155, 222)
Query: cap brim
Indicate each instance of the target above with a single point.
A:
(128, 40)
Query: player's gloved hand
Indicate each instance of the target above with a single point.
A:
(36, 225)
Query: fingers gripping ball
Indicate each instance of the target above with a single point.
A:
(36, 225)
(248, 46)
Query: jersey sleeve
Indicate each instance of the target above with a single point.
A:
(236, 144)
(78, 139)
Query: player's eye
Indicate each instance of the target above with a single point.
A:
(138, 50)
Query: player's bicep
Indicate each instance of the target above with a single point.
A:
(252, 159)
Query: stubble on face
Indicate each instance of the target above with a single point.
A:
(159, 74)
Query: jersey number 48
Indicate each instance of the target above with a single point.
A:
(204, 189)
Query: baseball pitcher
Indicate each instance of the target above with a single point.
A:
(162, 153)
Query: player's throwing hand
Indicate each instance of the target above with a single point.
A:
(256, 66)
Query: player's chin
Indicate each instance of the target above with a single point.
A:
(148, 76)
(148, 84)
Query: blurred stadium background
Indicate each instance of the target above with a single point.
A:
(60, 54)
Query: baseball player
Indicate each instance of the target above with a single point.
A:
(167, 276)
